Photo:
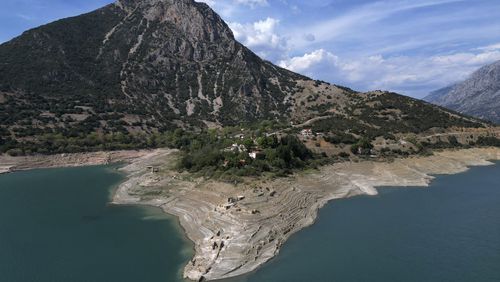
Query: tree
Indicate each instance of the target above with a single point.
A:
(248, 142)
(363, 147)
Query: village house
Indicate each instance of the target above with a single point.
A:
(239, 136)
(254, 154)
(236, 148)
(307, 132)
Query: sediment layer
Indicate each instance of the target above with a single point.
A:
(10, 164)
(235, 229)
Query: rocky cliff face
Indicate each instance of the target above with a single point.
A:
(478, 96)
(164, 63)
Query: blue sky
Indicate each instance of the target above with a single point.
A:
(407, 46)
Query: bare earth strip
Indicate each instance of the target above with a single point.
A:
(234, 238)
(10, 164)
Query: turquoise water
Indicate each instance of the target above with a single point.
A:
(56, 225)
(449, 232)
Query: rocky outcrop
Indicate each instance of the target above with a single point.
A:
(477, 96)
(155, 64)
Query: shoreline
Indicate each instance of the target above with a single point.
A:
(10, 164)
(232, 239)
(235, 239)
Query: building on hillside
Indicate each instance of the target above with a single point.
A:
(239, 136)
(307, 132)
(254, 154)
(236, 148)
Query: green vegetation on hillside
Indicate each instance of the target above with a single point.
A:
(211, 156)
(224, 153)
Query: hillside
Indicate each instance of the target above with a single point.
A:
(477, 96)
(118, 77)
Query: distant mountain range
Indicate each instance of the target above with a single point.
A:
(477, 96)
(146, 66)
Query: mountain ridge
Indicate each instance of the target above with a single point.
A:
(478, 95)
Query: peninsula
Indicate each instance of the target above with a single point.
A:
(237, 229)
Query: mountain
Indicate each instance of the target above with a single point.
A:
(156, 61)
(139, 67)
(477, 96)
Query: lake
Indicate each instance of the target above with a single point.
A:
(57, 225)
(449, 231)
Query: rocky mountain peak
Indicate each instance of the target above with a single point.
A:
(196, 20)
(130, 5)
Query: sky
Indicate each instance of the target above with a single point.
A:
(408, 46)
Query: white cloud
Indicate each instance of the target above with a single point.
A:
(467, 59)
(491, 47)
(307, 61)
(25, 17)
(415, 76)
(252, 3)
(358, 18)
(261, 36)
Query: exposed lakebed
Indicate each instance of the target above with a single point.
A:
(56, 225)
(449, 231)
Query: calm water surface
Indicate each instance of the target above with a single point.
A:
(449, 232)
(56, 225)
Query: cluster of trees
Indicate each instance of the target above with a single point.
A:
(488, 141)
(205, 152)
(83, 137)
(399, 114)
(362, 147)
(209, 156)
(385, 115)
(452, 142)
(336, 127)
(341, 138)
(58, 143)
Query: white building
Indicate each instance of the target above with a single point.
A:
(307, 132)
(254, 154)
(236, 148)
